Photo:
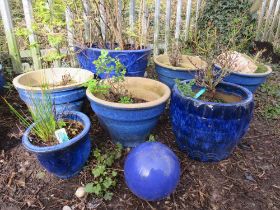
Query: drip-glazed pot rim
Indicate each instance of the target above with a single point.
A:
(149, 104)
(247, 96)
(18, 85)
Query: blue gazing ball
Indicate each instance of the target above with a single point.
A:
(152, 171)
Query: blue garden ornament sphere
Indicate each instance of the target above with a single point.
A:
(152, 171)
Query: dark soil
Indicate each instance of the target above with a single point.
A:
(73, 128)
(113, 97)
(248, 179)
(269, 53)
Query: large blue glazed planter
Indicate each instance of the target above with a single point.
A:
(152, 171)
(167, 73)
(250, 81)
(64, 97)
(67, 159)
(209, 131)
(135, 61)
(130, 124)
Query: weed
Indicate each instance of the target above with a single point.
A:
(271, 89)
(152, 138)
(125, 100)
(186, 88)
(272, 111)
(103, 173)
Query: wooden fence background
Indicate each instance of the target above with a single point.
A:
(268, 28)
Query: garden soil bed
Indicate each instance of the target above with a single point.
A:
(249, 179)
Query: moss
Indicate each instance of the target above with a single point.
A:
(261, 68)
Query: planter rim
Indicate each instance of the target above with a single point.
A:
(31, 147)
(248, 93)
(18, 85)
(109, 50)
(149, 104)
(269, 70)
(173, 68)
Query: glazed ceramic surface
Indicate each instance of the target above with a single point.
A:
(209, 131)
(64, 160)
(64, 97)
(2, 79)
(152, 171)
(167, 73)
(130, 124)
(135, 61)
(249, 81)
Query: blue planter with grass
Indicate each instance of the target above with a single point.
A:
(209, 131)
(67, 159)
(249, 81)
(135, 61)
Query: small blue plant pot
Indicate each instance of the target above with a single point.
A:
(135, 61)
(64, 97)
(67, 159)
(249, 81)
(167, 73)
(130, 124)
(2, 79)
(209, 131)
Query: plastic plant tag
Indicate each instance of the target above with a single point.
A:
(61, 135)
(199, 93)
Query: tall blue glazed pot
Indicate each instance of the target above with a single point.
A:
(167, 73)
(67, 159)
(135, 61)
(69, 97)
(249, 81)
(209, 131)
(130, 124)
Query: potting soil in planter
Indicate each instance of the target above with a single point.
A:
(73, 128)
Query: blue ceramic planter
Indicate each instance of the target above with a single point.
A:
(67, 159)
(249, 81)
(167, 74)
(209, 131)
(152, 171)
(2, 79)
(64, 98)
(135, 61)
(130, 124)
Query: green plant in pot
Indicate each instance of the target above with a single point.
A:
(174, 65)
(209, 117)
(52, 137)
(127, 107)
